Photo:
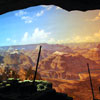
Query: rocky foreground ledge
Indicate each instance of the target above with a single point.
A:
(14, 89)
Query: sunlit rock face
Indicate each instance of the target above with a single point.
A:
(34, 53)
(84, 76)
(66, 62)
(28, 74)
(93, 54)
(65, 66)
(47, 50)
(57, 47)
(78, 89)
(18, 66)
(17, 60)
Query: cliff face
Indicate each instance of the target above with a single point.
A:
(17, 60)
(84, 76)
(17, 66)
(78, 89)
(65, 66)
(34, 53)
(93, 54)
(66, 62)
(47, 50)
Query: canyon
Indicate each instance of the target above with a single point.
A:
(65, 66)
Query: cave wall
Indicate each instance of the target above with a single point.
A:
(69, 5)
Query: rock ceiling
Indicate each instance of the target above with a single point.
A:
(69, 5)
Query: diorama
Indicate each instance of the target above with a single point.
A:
(49, 53)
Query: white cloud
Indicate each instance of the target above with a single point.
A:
(47, 7)
(27, 19)
(43, 11)
(40, 13)
(51, 41)
(8, 39)
(58, 8)
(96, 18)
(89, 38)
(20, 13)
(41, 36)
(97, 35)
(38, 36)
(14, 41)
(78, 39)
(23, 15)
(60, 41)
(25, 36)
(11, 40)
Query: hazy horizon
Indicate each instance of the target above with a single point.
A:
(50, 44)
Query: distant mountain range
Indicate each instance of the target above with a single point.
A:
(52, 47)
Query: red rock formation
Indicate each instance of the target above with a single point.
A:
(34, 53)
(93, 54)
(20, 64)
(65, 62)
(65, 66)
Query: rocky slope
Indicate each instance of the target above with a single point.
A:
(78, 89)
(93, 54)
(65, 66)
(18, 60)
(33, 54)
(66, 62)
(57, 47)
(17, 66)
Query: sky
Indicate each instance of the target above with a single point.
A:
(49, 24)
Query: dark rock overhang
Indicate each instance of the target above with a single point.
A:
(69, 5)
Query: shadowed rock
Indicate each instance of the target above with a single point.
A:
(24, 90)
(69, 5)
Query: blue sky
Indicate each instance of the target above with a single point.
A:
(49, 24)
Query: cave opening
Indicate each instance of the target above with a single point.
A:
(69, 41)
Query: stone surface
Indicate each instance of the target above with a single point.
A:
(25, 90)
(69, 5)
